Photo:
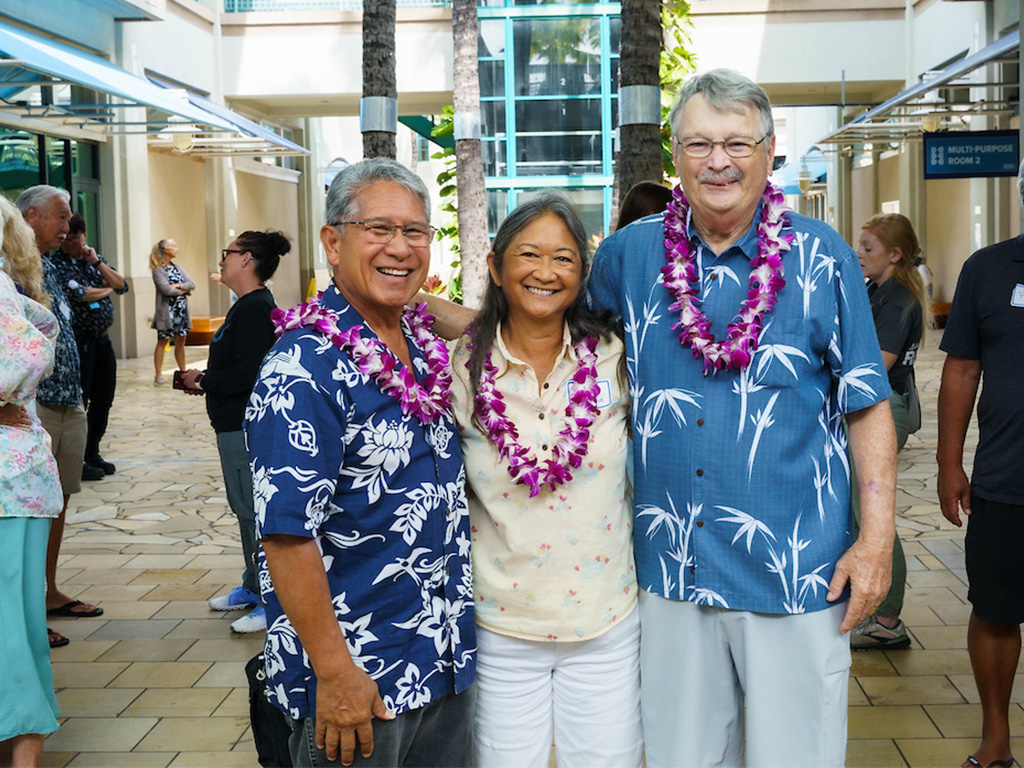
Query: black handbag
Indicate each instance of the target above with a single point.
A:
(270, 728)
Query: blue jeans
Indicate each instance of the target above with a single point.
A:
(234, 463)
(439, 734)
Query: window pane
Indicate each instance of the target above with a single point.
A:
(589, 203)
(492, 118)
(562, 115)
(59, 175)
(83, 157)
(495, 163)
(491, 40)
(497, 208)
(19, 161)
(571, 154)
(492, 78)
(557, 56)
(614, 29)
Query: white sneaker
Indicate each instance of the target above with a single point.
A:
(238, 599)
(254, 621)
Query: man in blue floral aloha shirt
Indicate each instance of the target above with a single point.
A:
(744, 539)
(360, 501)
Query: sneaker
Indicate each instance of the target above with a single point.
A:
(89, 472)
(238, 599)
(99, 461)
(254, 621)
(870, 634)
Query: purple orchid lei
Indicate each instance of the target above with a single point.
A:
(426, 401)
(737, 349)
(569, 449)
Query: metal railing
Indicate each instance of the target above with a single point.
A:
(240, 6)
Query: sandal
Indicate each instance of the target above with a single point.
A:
(57, 640)
(974, 762)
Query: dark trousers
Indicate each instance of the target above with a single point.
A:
(439, 734)
(99, 379)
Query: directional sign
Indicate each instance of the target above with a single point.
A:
(970, 155)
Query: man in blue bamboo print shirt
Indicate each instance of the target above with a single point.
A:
(743, 537)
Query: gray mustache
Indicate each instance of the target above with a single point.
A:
(729, 174)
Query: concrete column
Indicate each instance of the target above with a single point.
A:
(913, 203)
(221, 222)
(311, 205)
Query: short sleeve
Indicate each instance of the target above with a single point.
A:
(604, 285)
(893, 323)
(854, 354)
(960, 337)
(295, 437)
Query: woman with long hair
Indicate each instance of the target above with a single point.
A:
(888, 251)
(236, 352)
(542, 410)
(30, 496)
(171, 318)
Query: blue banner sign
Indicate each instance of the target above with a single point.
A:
(970, 155)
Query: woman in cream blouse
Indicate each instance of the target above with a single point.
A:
(542, 406)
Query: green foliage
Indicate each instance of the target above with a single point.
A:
(448, 232)
(677, 63)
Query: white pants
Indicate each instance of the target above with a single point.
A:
(700, 665)
(586, 694)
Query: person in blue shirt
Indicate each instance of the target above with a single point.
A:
(756, 379)
(360, 500)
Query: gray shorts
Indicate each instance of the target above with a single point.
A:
(68, 428)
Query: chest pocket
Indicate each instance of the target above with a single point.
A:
(787, 355)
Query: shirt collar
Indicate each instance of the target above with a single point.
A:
(747, 244)
(506, 358)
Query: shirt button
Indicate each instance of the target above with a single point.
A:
(541, 417)
(546, 385)
(714, 275)
(544, 447)
(700, 422)
(693, 569)
(700, 523)
(700, 473)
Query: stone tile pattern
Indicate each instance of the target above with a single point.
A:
(159, 680)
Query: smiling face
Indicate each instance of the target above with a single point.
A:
(718, 185)
(876, 261)
(541, 271)
(378, 279)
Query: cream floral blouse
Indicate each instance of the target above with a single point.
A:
(29, 484)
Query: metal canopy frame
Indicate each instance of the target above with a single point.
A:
(900, 118)
(29, 61)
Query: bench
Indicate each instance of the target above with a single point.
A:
(203, 328)
(940, 311)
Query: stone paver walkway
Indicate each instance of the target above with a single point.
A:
(159, 680)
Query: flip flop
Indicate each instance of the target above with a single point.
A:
(973, 761)
(57, 640)
(68, 610)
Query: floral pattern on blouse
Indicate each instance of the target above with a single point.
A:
(29, 484)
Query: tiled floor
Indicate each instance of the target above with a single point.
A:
(159, 680)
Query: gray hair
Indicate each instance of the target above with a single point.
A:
(40, 197)
(1020, 182)
(342, 197)
(726, 91)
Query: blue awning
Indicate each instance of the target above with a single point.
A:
(281, 145)
(28, 59)
(787, 177)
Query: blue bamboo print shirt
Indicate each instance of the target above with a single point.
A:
(335, 459)
(742, 479)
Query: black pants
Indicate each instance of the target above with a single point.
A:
(99, 379)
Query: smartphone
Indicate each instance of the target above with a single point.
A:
(179, 380)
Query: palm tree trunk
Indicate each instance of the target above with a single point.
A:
(379, 69)
(639, 57)
(474, 242)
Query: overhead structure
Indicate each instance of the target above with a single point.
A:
(920, 108)
(44, 80)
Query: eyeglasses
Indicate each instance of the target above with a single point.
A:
(698, 147)
(383, 232)
(224, 252)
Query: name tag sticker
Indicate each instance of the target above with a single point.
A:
(604, 397)
(1017, 300)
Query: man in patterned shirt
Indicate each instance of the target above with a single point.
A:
(90, 282)
(360, 501)
(59, 397)
(743, 537)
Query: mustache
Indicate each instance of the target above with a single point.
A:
(729, 174)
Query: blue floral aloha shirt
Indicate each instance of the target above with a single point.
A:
(742, 479)
(335, 459)
(64, 385)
